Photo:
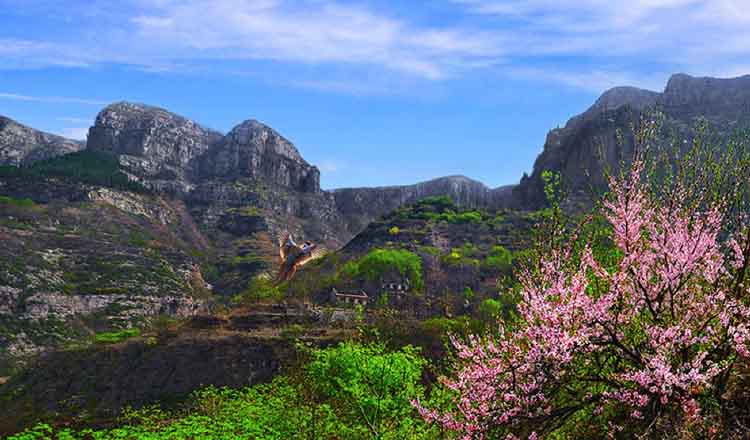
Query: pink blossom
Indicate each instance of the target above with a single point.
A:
(661, 313)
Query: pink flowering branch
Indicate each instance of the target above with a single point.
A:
(666, 323)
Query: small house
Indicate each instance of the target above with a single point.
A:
(349, 297)
(395, 287)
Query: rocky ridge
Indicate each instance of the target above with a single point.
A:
(22, 145)
(253, 166)
(589, 143)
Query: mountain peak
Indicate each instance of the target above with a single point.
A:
(633, 96)
(264, 138)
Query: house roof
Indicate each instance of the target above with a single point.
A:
(351, 294)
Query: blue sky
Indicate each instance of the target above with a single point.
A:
(373, 92)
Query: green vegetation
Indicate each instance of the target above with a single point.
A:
(380, 262)
(438, 209)
(139, 239)
(261, 288)
(350, 391)
(462, 257)
(436, 203)
(82, 166)
(21, 203)
(115, 337)
(249, 261)
(499, 259)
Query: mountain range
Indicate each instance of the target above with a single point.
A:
(156, 214)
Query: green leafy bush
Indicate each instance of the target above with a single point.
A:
(468, 217)
(368, 385)
(21, 203)
(499, 259)
(380, 262)
(260, 288)
(114, 337)
(461, 257)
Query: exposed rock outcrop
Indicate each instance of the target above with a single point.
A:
(22, 145)
(590, 143)
(360, 206)
(255, 150)
(155, 146)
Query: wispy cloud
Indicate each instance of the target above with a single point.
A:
(77, 133)
(329, 166)
(670, 28)
(634, 40)
(51, 99)
(593, 80)
(320, 31)
(75, 120)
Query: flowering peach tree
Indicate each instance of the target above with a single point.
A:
(618, 346)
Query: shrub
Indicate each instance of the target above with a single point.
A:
(260, 288)
(115, 337)
(499, 259)
(349, 391)
(380, 262)
(461, 257)
(21, 203)
(468, 217)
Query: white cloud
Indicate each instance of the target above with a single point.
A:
(358, 46)
(594, 44)
(594, 80)
(51, 99)
(319, 31)
(617, 27)
(77, 133)
(72, 120)
(329, 166)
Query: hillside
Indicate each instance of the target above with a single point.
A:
(451, 258)
(80, 258)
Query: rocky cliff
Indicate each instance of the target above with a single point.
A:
(257, 151)
(360, 206)
(156, 147)
(590, 143)
(21, 145)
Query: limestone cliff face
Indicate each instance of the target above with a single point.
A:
(589, 143)
(21, 145)
(255, 150)
(360, 206)
(171, 153)
(155, 146)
